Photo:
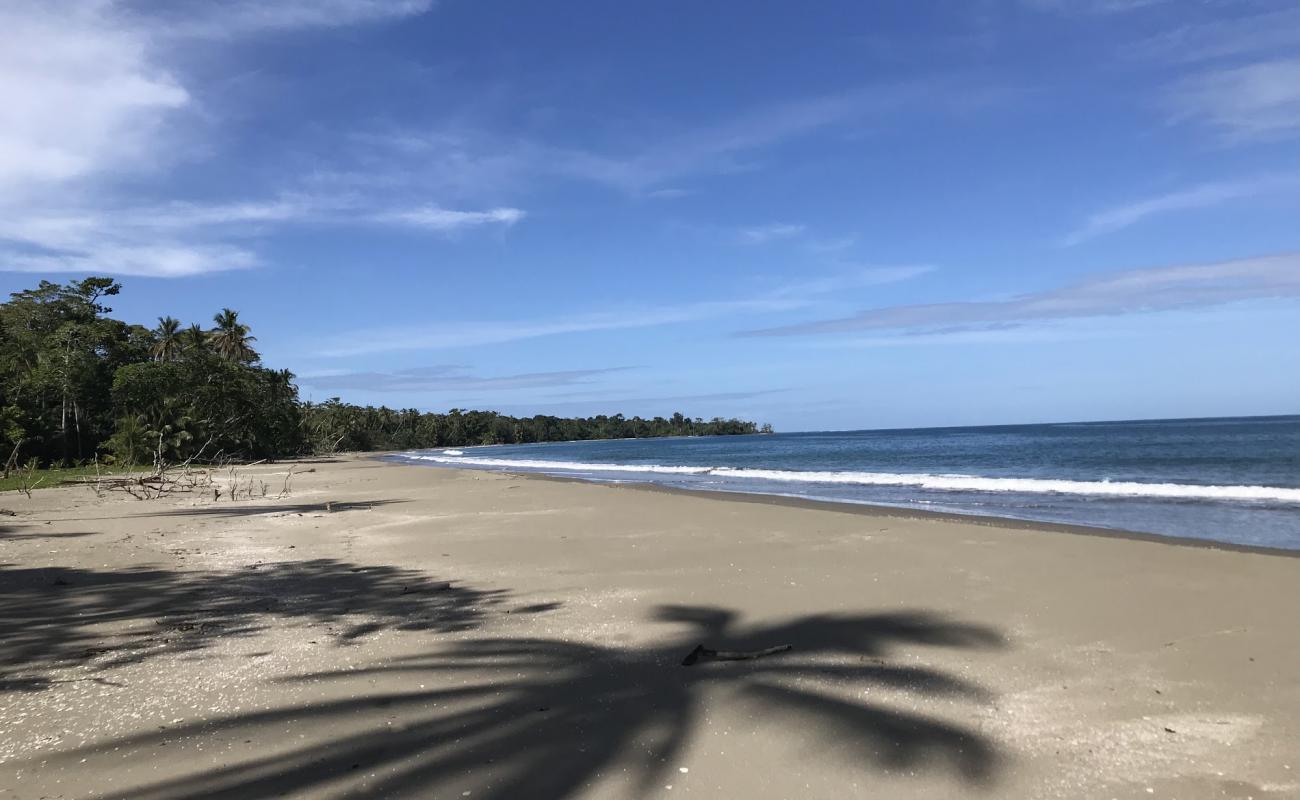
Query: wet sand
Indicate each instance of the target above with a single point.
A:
(406, 631)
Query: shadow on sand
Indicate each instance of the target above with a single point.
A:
(7, 534)
(278, 509)
(546, 718)
(57, 617)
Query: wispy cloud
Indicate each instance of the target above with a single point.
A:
(848, 279)
(664, 405)
(450, 378)
(1206, 195)
(467, 158)
(762, 234)
(1092, 7)
(1133, 291)
(477, 333)
(177, 240)
(1250, 102)
(142, 258)
(1235, 69)
(474, 333)
(444, 219)
(973, 335)
(1225, 36)
(831, 246)
(208, 20)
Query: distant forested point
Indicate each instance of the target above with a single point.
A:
(337, 425)
(77, 385)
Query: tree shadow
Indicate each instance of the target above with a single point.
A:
(6, 536)
(323, 507)
(545, 718)
(57, 617)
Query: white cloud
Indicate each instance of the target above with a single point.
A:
(443, 219)
(79, 96)
(1206, 195)
(86, 99)
(183, 239)
(149, 259)
(762, 234)
(1133, 291)
(1251, 102)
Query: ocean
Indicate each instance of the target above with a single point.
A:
(1234, 480)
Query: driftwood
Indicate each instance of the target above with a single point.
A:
(702, 653)
(149, 487)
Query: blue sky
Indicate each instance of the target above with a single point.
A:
(827, 216)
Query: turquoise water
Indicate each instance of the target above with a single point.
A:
(1230, 480)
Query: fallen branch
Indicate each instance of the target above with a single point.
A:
(702, 653)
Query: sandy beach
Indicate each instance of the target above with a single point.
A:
(401, 631)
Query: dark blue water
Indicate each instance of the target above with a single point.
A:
(1230, 480)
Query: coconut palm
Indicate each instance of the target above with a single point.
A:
(230, 338)
(194, 338)
(167, 343)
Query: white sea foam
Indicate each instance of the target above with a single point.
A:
(453, 452)
(566, 466)
(955, 483)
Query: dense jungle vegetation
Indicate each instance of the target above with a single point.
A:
(78, 386)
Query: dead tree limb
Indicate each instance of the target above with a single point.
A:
(702, 653)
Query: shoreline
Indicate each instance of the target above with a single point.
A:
(878, 510)
(402, 631)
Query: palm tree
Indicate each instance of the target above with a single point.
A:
(231, 339)
(194, 338)
(167, 345)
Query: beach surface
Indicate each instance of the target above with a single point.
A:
(404, 631)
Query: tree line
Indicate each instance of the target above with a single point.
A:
(77, 385)
(336, 425)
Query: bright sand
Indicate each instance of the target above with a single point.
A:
(441, 633)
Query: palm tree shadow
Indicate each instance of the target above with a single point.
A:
(53, 618)
(544, 718)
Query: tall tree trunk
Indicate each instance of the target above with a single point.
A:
(67, 369)
(63, 423)
(76, 419)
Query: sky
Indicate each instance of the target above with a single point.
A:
(825, 216)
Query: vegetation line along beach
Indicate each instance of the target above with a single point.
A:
(78, 386)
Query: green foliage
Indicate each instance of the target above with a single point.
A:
(129, 443)
(231, 340)
(75, 383)
(167, 345)
(57, 357)
(336, 426)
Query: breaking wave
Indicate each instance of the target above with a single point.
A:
(955, 483)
